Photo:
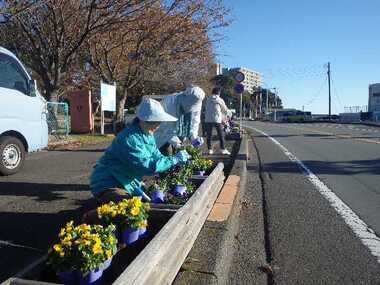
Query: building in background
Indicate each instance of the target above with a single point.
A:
(374, 98)
(252, 78)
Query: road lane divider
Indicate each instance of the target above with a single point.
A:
(365, 234)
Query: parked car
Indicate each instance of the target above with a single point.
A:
(23, 125)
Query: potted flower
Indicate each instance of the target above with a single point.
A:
(82, 253)
(157, 191)
(128, 215)
(201, 165)
(193, 152)
(178, 183)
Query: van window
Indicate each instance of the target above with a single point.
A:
(11, 75)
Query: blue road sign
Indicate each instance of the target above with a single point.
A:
(239, 88)
(239, 76)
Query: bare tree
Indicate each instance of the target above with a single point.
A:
(48, 35)
(167, 43)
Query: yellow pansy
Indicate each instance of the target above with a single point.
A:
(69, 226)
(136, 201)
(135, 211)
(62, 232)
(57, 247)
(109, 253)
(97, 248)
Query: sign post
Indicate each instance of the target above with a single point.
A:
(107, 101)
(239, 89)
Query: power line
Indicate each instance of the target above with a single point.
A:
(316, 96)
(336, 93)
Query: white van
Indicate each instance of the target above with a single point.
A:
(23, 124)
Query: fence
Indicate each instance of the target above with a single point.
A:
(58, 118)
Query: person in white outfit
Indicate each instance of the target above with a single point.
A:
(186, 107)
(215, 110)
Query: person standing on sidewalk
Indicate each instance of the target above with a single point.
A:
(215, 110)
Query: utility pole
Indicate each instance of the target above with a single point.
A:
(329, 78)
(267, 103)
(261, 103)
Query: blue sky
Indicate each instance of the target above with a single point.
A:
(290, 42)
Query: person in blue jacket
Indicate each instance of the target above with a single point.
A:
(132, 155)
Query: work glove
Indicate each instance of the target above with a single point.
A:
(175, 142)
(181, 156)
(197, 142)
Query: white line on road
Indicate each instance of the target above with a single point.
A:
(7, 243)
(366, 235)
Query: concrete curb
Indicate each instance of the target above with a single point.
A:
(211, 257)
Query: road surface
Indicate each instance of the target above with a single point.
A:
(308, 240)
(51, 189)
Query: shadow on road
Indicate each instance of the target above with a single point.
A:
(25, 236)
(324, 167)
(77, 150)
(41, 191)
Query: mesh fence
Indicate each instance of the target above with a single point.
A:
(58, 118)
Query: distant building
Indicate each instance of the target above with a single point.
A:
(374, 98)
(252, 78)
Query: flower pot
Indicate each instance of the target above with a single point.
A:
(130, 235)
(93, 277)
(68, 277)
(158, 196)
(106, 264)
(199, 172)
(179, 190)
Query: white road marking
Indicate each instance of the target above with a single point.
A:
(366, 235)
(7, 243)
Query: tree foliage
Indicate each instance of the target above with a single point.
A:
(149, 46)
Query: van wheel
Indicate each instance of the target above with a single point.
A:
(12, 155)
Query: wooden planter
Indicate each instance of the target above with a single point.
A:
(156, 258)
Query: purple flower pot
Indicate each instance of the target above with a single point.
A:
(106, 264)
(179, 190)
(158, 197)
(199, 172)
(68, 277)
(129, 235)
(91, 278)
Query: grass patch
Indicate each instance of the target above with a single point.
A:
(91, 139)
(73, 141)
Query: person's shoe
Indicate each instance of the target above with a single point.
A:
(210, 151)
(225, 151)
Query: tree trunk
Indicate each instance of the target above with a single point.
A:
(121, 105)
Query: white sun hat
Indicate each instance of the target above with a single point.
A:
(151, 110)
(191, 99)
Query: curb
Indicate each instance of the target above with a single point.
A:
(210, 259)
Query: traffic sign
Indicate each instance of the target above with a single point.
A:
(239, 76)
(239, 88)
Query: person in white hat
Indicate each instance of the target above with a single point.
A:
(132, 155)
(186, 107)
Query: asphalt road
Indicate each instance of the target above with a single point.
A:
(308, 242)
(50, 190)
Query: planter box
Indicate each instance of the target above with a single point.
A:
(156, 258)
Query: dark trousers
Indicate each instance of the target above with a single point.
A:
(219, 130)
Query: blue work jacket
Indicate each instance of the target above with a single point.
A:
(131, 155)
